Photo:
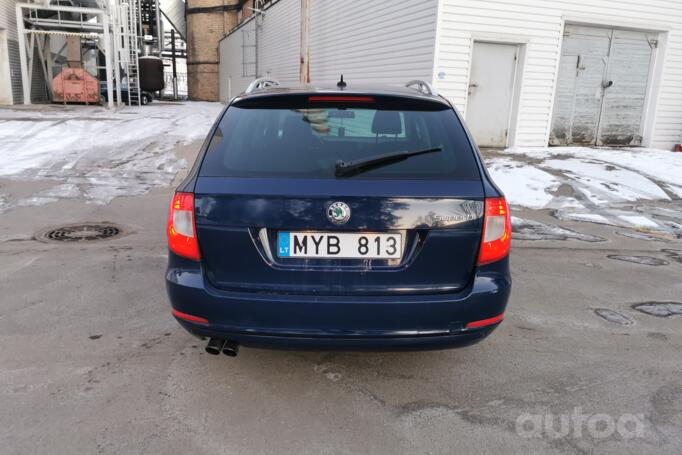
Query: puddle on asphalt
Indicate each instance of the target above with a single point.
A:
(657, 336)
(644, 260)
(534, 230)
(662, 223)
(659, 309)
(675, 255)
(613, 316)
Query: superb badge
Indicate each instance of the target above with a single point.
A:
(338, 212)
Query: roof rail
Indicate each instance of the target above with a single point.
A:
(260, 83)
(423, 87)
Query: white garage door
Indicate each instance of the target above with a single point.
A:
(601, 90)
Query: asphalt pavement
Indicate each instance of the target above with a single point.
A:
(588, 359)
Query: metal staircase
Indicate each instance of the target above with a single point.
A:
(130, 50)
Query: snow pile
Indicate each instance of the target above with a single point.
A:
(98, 153)
(661, 165)
(602, 183)
(607, 186)
(534, 192)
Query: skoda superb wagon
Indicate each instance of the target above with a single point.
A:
(340, 218)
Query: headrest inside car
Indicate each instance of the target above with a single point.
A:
(296, 129)
(387, 122)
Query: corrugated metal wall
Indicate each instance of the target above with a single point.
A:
(277, 51)
(538, 25)
(38, 89)
(345, 38)
(387, 42)
(8, 18)
(15, 71)
(279, 47)
(8, 22)
(236, 69)
(174, 10)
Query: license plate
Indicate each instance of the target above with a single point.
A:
(339, 245)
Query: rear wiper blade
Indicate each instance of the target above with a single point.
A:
(345, 169)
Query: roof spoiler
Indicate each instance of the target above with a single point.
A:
(261, 83)
(423, 87)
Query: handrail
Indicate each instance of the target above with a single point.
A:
(260, 83)
(423, 87)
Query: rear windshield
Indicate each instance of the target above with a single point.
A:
(307, 141)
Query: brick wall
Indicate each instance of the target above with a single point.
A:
(207, 22)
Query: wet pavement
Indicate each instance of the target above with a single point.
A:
(586, 361)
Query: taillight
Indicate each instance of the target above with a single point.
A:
(496, 231)
(182, 235)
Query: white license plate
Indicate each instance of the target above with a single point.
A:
(339, 245)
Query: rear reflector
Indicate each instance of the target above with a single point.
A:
(496, 231)
(485, 322)
(189, 317)
(182, 238)
(341, 99)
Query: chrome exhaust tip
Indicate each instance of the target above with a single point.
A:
(231, 348)
(215, 346)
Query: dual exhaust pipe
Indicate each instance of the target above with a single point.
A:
(217, 345)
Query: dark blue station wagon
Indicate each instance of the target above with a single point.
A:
(341, 218)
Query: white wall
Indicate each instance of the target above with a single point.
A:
(279, 42)
(382, 42)
(8, 18)
(5, 75)
(231, 69)
(538, 25)
(9, 53)
(278, 49)
(391, 42)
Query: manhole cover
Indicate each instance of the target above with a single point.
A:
(83, 232)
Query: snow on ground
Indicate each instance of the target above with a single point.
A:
(96, 153)
(662, 165)
(99, 154)
(601, 185)
(536, 187)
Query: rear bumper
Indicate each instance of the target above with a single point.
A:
(352, 323)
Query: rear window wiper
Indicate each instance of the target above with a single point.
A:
(348, 168)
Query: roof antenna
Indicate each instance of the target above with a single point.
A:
(341, 84)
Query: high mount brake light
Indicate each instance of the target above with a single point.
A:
(496, 239)
(182, 233)
(340, 99)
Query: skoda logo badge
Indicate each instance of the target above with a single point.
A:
(338, 212)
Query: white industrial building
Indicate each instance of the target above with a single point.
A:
(522, 72)
(34, 49)
(10, 76)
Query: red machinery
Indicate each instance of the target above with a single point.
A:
(75, 85)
